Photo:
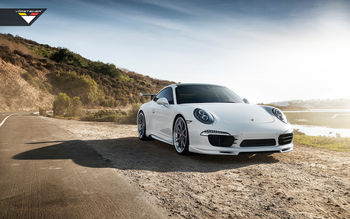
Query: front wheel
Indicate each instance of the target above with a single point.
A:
(180, 136)
(141, 126)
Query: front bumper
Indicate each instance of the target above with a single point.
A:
(200, 144)
(237, 150)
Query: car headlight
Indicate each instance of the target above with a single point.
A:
(279, 115)
(203, 116)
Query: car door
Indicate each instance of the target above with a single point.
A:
(151, 120)
(163, 115)
(153, 124)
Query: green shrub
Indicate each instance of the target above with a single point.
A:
(107, 101)
(76, 107)
(42, 51)
(126, 78)
(82, 86)
(63, 55)
(105, 68)
(61, 104)
(49, 66)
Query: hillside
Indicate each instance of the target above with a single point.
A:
(32, 74)
(313, 104)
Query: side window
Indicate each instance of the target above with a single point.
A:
(167, 93)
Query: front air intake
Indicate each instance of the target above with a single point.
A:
(258, 142)
(285, 139)
(221, 140)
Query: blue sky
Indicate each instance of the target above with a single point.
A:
(263, 50)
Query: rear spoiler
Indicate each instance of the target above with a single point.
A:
(151, 95)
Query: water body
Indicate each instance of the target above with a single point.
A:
(321, 122)
(319, 111)
(322, 131)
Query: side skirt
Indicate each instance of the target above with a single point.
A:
(160, 139)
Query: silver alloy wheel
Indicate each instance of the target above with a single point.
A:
(180, 135)
(141, 125)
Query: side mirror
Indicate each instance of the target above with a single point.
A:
(245, 101)
(163, 101)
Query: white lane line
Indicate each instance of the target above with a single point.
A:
(3, 121)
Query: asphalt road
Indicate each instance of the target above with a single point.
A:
(41, 177)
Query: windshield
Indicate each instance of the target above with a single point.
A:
(205, 94)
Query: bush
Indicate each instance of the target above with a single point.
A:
(82, 86)
(18, 52)
(5, 49)
(65, 56)
(126, 78)
(104, 116)
(42, 112)
(105, 68)
(61, 104)
(76, 107)
(107, 101)
(42, 51)
(49, 66)
(9, 59)
(131, 115)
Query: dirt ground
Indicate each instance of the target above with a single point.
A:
(305, 183)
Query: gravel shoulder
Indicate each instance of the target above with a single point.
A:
(306, 183)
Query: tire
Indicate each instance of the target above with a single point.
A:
(180, 136)
(141, 126)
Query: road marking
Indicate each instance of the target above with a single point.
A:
(3, 121)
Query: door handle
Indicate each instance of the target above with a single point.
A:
(153, 111)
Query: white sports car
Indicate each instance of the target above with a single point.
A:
(212, 119)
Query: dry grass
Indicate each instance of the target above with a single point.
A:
(330, 143)
(118, 116)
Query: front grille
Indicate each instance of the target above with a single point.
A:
(221, 140)
(258, 142)
(285, 139)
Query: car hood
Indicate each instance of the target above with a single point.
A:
(236, 112)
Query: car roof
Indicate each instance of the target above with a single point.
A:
(186, 84)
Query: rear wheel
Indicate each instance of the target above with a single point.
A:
(141, 126)
(180, 136)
